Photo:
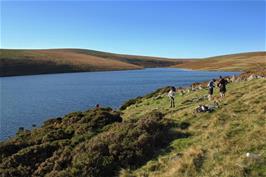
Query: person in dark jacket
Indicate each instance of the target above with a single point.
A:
(211, 85)
(222, 85)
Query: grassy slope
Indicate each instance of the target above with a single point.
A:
(235, 62)
(23, 62)
(219, 140)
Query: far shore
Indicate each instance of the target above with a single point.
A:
(53, 61)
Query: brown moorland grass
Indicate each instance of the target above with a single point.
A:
(23, 62)
(235, 62)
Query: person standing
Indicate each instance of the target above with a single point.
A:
(97, 106)
(171, 95)
(222, 85)
(211, 86)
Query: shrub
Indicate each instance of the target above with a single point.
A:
(124, 145)
(25, 161)
(57, 135)
(48, 149)
(98, 118)
(92, 143)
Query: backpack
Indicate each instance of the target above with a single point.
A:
(211, 84)
(173, 88)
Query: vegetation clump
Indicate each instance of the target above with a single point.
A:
(124, 145)
(92, 143)
(51, 141)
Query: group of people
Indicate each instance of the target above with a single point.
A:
(222, 87)
(211, 85)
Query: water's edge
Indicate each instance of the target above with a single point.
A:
(82, 109)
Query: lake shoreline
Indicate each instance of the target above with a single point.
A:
(66, 72)
(75, 72)
(65, 106)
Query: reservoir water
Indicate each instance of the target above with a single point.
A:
(27, 100)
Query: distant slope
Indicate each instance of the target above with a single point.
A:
(28, 62)
(234, 62)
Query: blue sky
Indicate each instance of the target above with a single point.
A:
(179, 29)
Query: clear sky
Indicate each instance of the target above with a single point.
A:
(161, 28)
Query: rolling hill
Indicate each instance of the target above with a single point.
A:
(235, 62)
(28, 62)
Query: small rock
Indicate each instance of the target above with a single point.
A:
(233, 78)
(251, 77)
(252, 155)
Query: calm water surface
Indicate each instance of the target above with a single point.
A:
(27, 100)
